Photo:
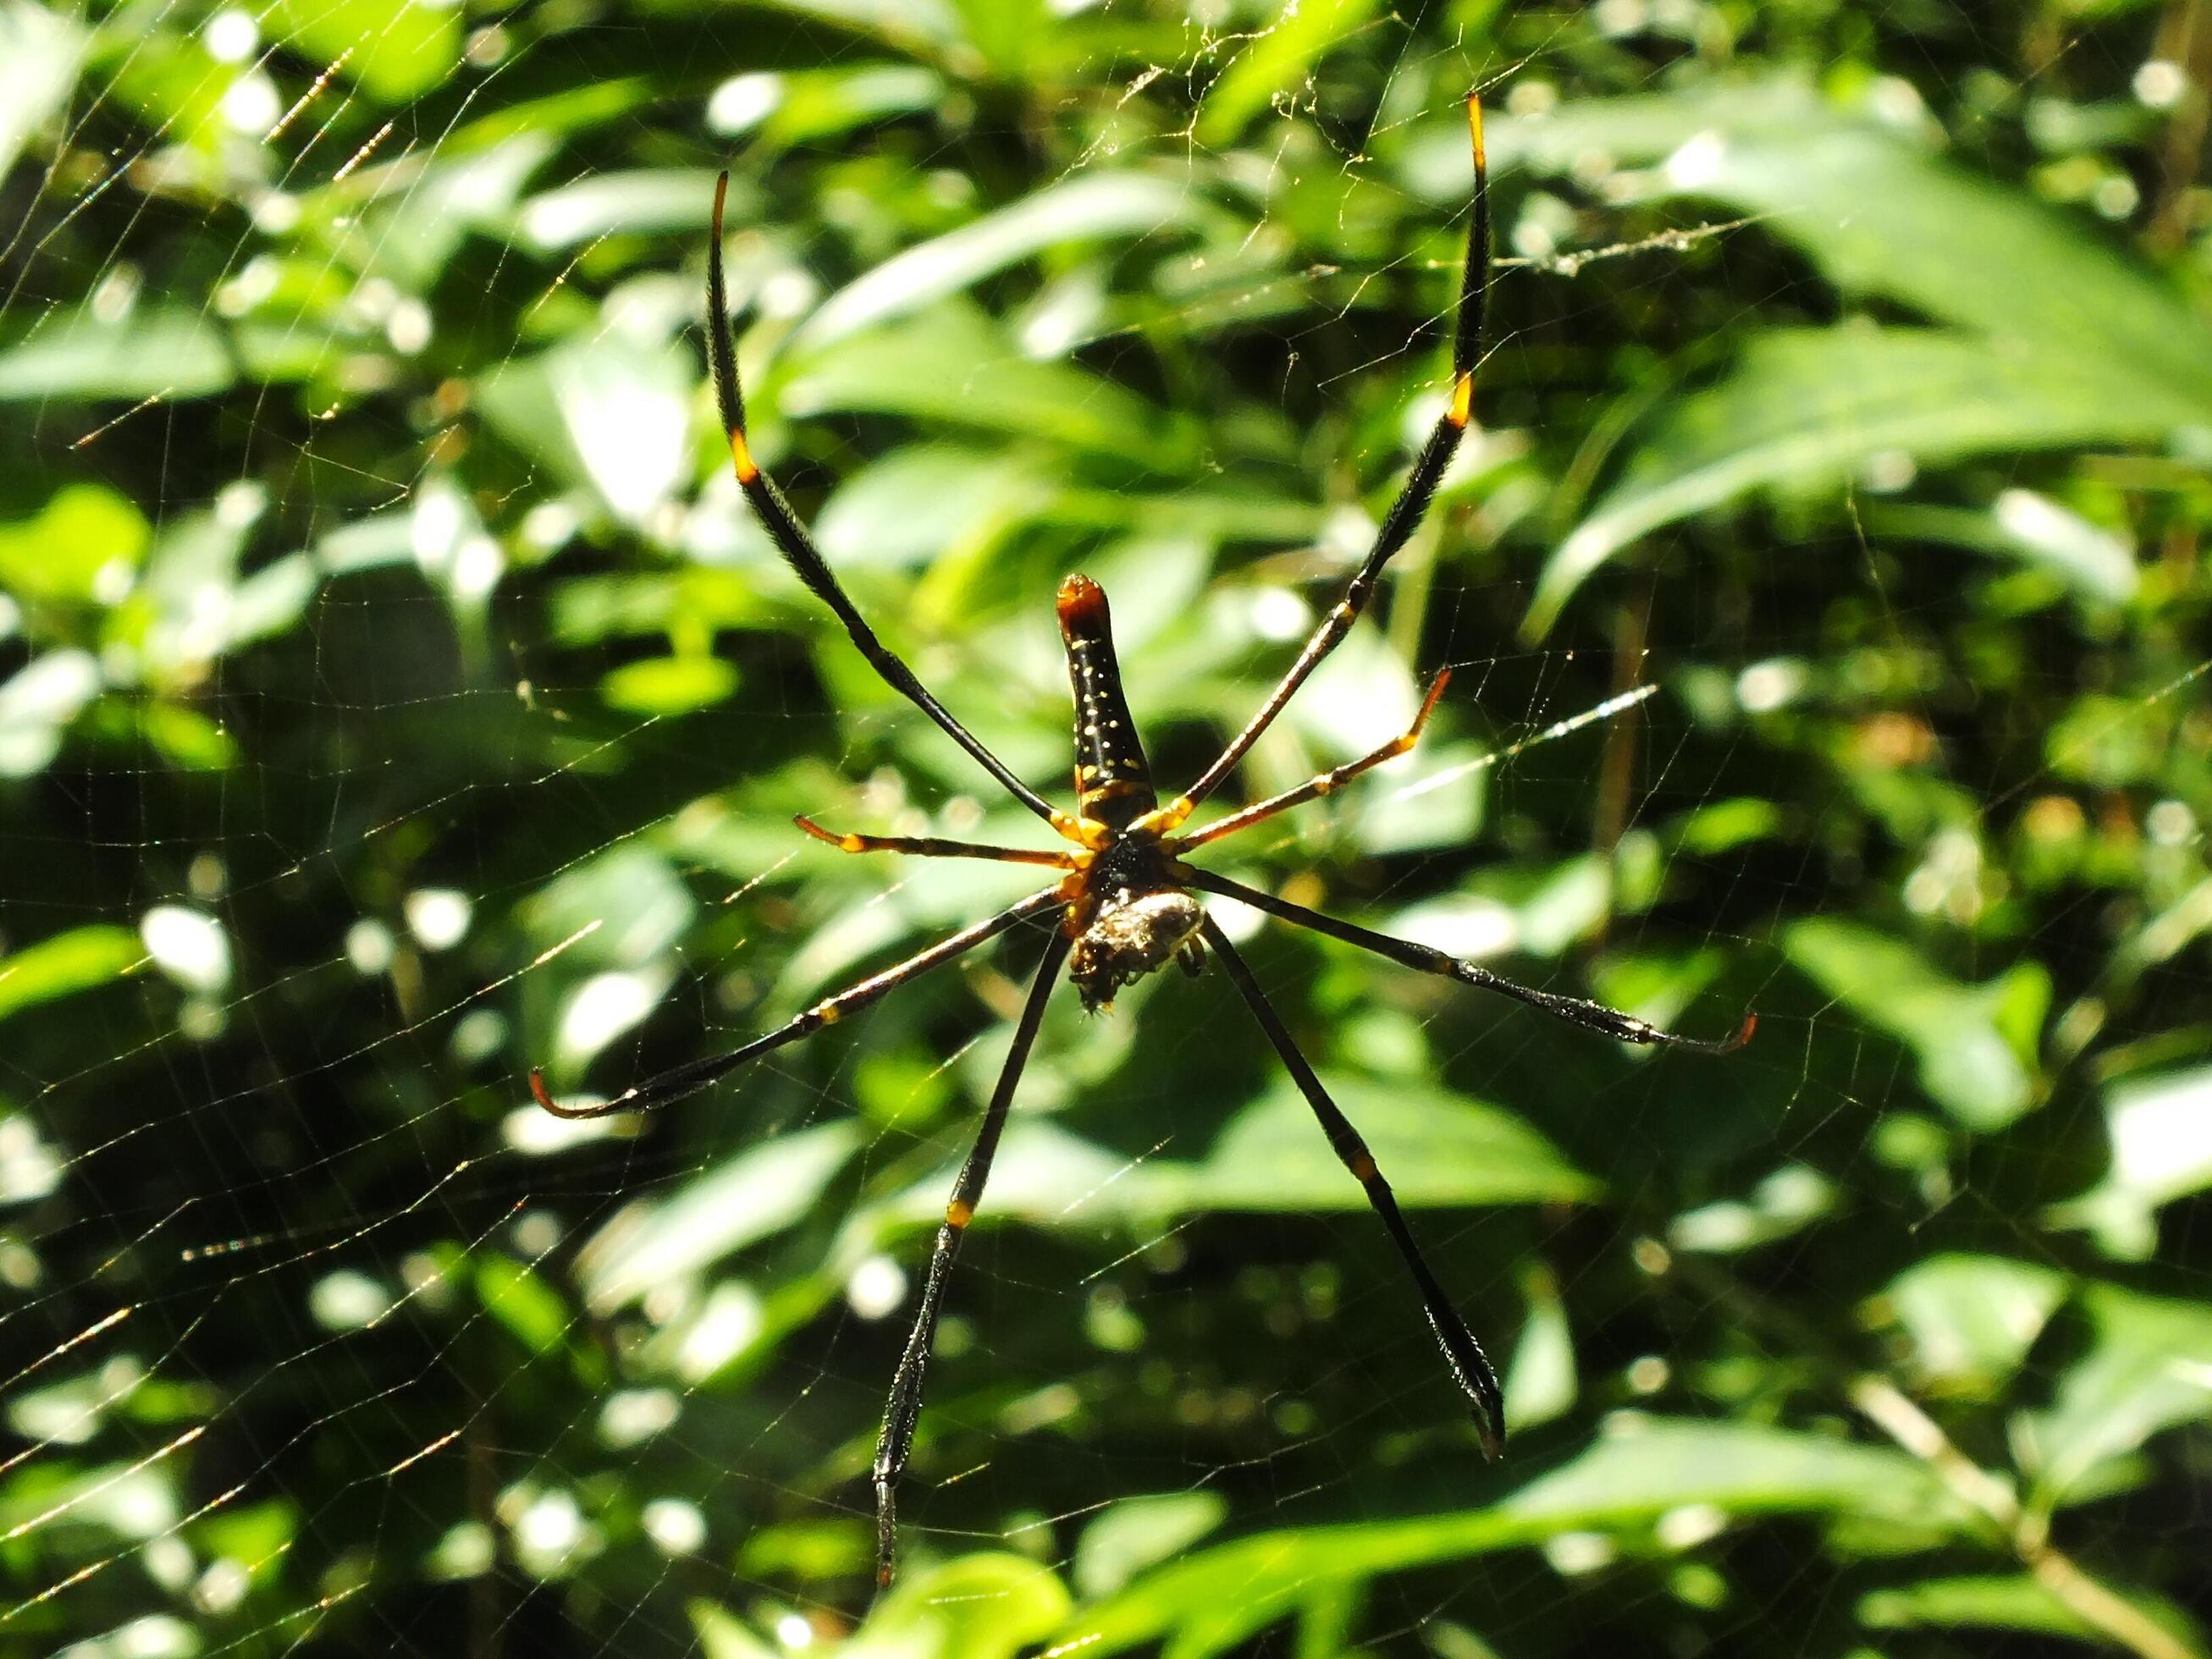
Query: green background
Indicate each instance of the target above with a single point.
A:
(396, 695)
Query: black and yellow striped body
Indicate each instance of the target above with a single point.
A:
(1112, 784)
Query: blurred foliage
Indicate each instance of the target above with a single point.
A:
(395, 695)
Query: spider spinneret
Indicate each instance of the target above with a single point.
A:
(1128, 903)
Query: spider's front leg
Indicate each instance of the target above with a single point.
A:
(797, 548)
(1405, 514)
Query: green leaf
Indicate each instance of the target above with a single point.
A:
(562, 112)
(722, 1636)
(924, 500)
(85, 537)
(1881, 216)
(673, 202)
(1541, 1380)
(985, 1605)
(1276, 60)
(1970, 1319)
(1206, 1603)
(79, 960)
(2149, 1367)
(809, 1549)
(1091, 207)
(1617, 131)
(2161, 1130)
(41, 50)
(749, 1197)
(1877, 213)
(1438, 1149)
(155, 350)
(806, 107)
(666, 686)
(953, 368)
(530, 1309)
(1968, 1065)
(917, 25)
(130, 1500)
(604, 410)
(2018, 1602)
(1785, 1202)
(2077, 342)
(2028, 528)
(2108, 741)
(1134, 1534)
(2013, 1603)
(1806, 408)
(411, 234)
(186, 738)
(37, 704)
(179, 616)
(392, 50)
(1722, 826)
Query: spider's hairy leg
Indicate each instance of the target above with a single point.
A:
(797, 548)
(678, 1082)
(1577, 1011)
(1470, 1366)
(1314, 788)
(936, 847)
(903, 1409)
(1405, 514)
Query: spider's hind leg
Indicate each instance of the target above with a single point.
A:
(1470, 1367)
(895, 1443)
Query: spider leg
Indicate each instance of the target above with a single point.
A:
(1314, 788)
(1575, 1009)
(1470, 1366)
(797, 548)
(933, 846)
(903, 1410)
(1405, 514)
(688, 1079)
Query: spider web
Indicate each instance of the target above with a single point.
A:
(395, 696)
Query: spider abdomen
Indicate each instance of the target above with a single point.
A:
(1112, 784)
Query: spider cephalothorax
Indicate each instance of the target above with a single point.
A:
(1127, 900)
(1128, 915)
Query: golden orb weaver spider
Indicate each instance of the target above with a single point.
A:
(1126, 900)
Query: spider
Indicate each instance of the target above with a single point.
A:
(1127, 901)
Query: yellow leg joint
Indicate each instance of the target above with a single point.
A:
(742, 457)
(1165, 820)
(1086, 833)
(1462, 402)
(1363, 1166)
(958, 1215)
